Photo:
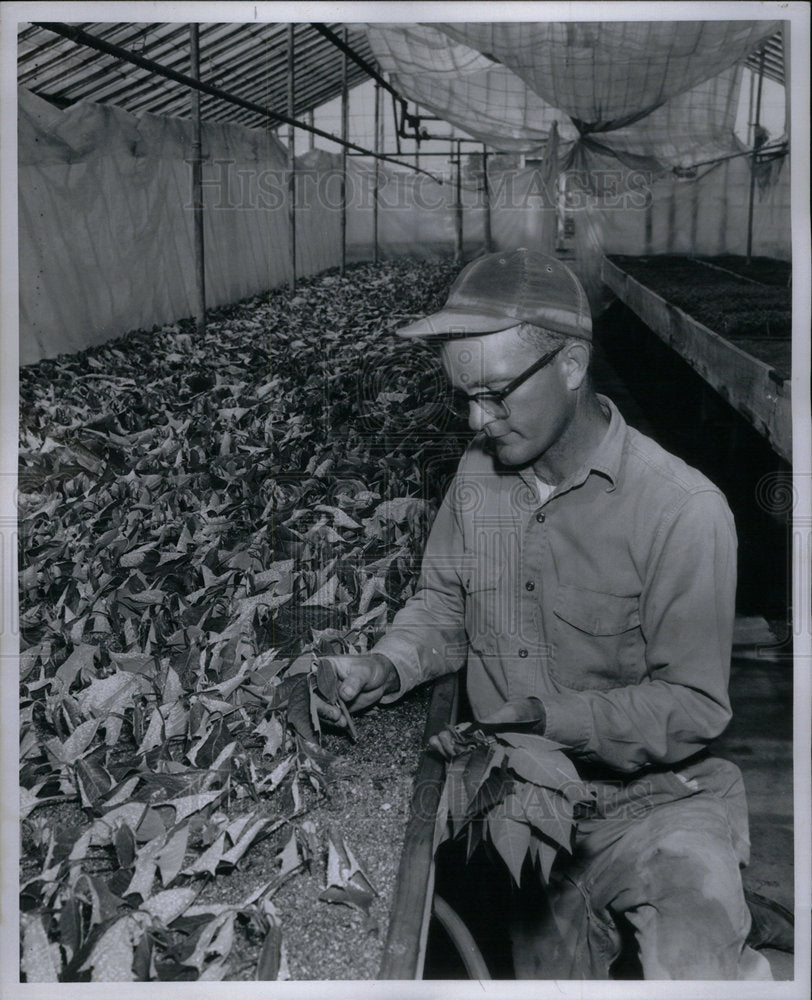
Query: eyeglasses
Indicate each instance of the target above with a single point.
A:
(493, 403)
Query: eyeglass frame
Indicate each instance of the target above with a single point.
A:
(499, 395)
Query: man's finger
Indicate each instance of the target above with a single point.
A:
(350, 687)
(443, 744)
(331, 713)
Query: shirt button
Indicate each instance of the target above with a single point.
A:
(523, 653)
(540, 517)
(530, 585)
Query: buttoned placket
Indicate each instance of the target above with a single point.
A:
(531, 648)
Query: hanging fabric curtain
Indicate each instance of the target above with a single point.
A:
(464, 87)
(652, 94)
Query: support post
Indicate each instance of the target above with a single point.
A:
(486, 198)
(197, 184)
(377, 146)
(345, 115)
(458, 207)
(291, 157)
(311, 138)
(756, 124)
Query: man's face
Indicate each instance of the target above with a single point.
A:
(540, 409)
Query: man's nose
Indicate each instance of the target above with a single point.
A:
(478, 418)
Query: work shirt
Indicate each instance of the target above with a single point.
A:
(611, 601)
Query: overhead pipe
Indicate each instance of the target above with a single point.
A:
(81, 37)
(350, 53)
(291, 157)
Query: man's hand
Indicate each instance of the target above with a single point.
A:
(362, 681)
(522, 715)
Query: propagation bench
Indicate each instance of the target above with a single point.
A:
(747, 364)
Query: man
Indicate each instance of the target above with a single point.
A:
(585, 578)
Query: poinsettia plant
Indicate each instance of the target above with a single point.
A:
(512, 791)
(200, 518)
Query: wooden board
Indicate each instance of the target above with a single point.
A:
(405, 946)
(749, 384)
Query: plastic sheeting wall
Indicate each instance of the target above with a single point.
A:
(106, 227)
(106, 221)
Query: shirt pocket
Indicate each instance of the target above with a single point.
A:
(484, 613)
(598, 644)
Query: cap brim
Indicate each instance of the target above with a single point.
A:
(456, 323)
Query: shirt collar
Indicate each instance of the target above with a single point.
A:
(605, 459)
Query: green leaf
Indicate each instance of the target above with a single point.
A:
(288, 858)
(511, 838)
(172, 856)
(543, 855)
(327, 680)
(493, 790)
(298, 714)
(477, 769)
(530, 742)
(111, 960)
(216, 938)
(550, 769)
(273, 733)
(476, 834)
(549, 812)
(349, 895)
(169, 904)
(93, 780)
(75, 745)
(269, 955)
(82, 659)
(124, 844)
(41, 961)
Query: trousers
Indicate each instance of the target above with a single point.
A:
(655, 870)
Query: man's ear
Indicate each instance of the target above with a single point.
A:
(575, 358)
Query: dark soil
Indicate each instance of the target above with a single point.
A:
(734, 307)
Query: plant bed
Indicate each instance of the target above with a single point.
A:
(742, 356)
(743, 311)
(195, 526)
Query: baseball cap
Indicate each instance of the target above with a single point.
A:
(501, 290)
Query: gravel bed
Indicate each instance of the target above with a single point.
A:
(371, 784)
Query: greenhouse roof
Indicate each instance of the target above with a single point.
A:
(249, 60)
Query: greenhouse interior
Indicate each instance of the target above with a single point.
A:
(231, 457)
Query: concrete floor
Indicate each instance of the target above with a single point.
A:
(759, 740)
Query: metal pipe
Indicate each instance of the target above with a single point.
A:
(756, 124)
(486, 197)
(197, 184)
(350, 52)
(291, 157)
(345, 123)
(377, 143)
(450, 153)
(81, 37)
(458, 206)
